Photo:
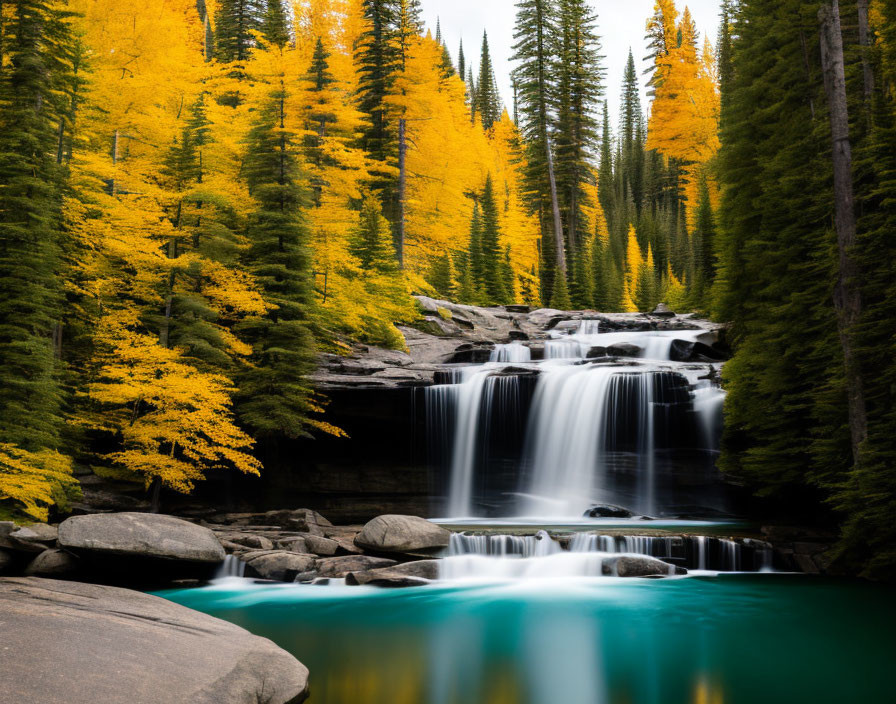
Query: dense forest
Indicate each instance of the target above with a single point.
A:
(197, 196)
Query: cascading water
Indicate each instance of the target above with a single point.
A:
(595, 432)
(514, 353)
(493, 555)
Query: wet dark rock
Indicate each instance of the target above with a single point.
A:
(518, 336)
(84, 644)
(517, 309)
(608, 511)
(596, 352)
(341, 566)
(402, 534)
(472, 353)
(624, 349)
(7, 560)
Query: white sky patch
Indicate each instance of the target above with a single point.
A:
(620, 25)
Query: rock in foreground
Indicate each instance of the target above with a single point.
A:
(142, 535)
(402, 534)
(70, 643)
(639, 566)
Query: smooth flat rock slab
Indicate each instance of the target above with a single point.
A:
(72, 643)
(140, 535)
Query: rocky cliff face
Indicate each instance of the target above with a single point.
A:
(451, 333)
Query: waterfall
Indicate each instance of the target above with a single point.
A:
(479, 402)
(695, 552)
(708, 403)
(563, 348)
(231, 567)
(538, 545)
(578, 414)
(589, 327)
(514, 353)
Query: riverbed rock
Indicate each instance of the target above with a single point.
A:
(300, 519)
(639, 566)
(325, 547)
(53, 563)
(35, 537)
(258, 542)
(402, 534)
(624, 349)
(72, 643)
(142, 535)
(410, 574)
(341, 566)
(280, 565)
(608, 511)
(663, 311)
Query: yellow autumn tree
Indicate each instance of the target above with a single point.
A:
(634, 264)
(32, 482)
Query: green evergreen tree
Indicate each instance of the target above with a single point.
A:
(461, 61)
(378, 59)
(274, 24)
(605, 185)
(36, 85)
(560, 296)
(490, 243)
(274, 395)
(372, 243)
(235, 24)
(488, 102)
(579, 77)
(475, 258)
(443, 277)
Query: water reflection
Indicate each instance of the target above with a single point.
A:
(726, 640)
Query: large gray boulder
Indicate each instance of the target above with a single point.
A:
(72, 643)
(402, 534)
(639, 566)
(142, 535)
(52, 563)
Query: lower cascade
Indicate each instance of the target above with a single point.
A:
(584, 554)
(582, 426)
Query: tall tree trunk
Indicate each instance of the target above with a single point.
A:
(402, 188)
(865, 42)
(847, 295)
(555, 207)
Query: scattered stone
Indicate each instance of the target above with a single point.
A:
(639, 566)
(410, 574)
(402, 534)
(52, 563)
(608, 511)
(302, 519)
(341, 566)
(663, 311)
(294, 544)
(321, 546)
(624, 349)
(142, 535)
(83, 643)
(280, 565)
(253, 541)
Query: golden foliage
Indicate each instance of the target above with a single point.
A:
(34, 481)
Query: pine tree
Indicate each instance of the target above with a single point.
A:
(372, 243)
(379, 59)
(535, 35)
(35, 85)
(275, 398)
(235, 23)
(490, 244)
(461, 61)
(579, 87)
(475, 258)
(274, 24)
(443, 278)
(488, 103)
(605, 187)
